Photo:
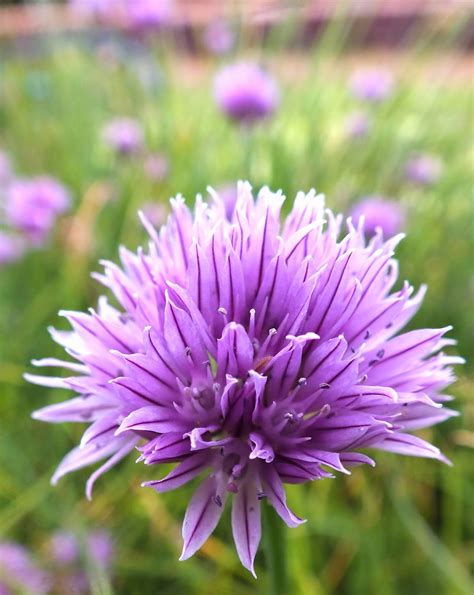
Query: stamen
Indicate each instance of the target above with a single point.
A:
(224, 313)
(324, 385)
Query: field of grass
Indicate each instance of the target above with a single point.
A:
(406, 526)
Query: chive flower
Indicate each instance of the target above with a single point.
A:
(252, 352)
(245, 92)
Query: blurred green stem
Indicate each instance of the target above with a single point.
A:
(275, 551)
(247, 141)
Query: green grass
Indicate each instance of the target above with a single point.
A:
(407, 525)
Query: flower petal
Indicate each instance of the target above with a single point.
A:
(201, 518)
(246, 523)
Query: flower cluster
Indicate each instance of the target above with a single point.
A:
(62, 569)
(29, 208)
(19, 573)
(252, 353)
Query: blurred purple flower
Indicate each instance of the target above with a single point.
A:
(6, 169)
(372, 85)
(101, 9)
(218, 37)
(246, 92)
(156, 166)
(101, 548)
(64, 548)
(11, 248)
(358, 125)
(123, 135)
(33, 205)
(253, 352)
(155, 212)
(19, 573)
(146, 15)
(424, 170)
(379, 213)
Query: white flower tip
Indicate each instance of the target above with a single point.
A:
(185, 554)
(38, 415)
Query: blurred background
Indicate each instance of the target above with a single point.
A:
(108, 106)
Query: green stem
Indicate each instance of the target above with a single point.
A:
(275, 551)
(247, 138)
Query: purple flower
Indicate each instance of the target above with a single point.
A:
(372, 85)
(155, 212)
(101, 9)
(379, 213)
(100, 547)
(66, 548)
(123, 135)
(11, 248)
(33, 205)
(358, 125)
(246, 92)
(19, 573)
(252, 353)
(156, 166)
(424, 169)
(218, 37)
(145, 15)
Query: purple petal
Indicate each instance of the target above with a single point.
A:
(182, 473)
(80, 409)
(201, 518)
(90, 454)
(246, 525)
(118, 456)
(406, 444)
(273, 488)
(153, 419)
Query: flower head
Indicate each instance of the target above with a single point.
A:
(250, 352)
(358, 125)
(146, 15)
(18, 571)
(66, 548)
(246, 92)
(156, 166)
(424, 170)
(101, 9)
(379, 213)
(372, 85)
(123, 135)
(218, 37)
(32, 206)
